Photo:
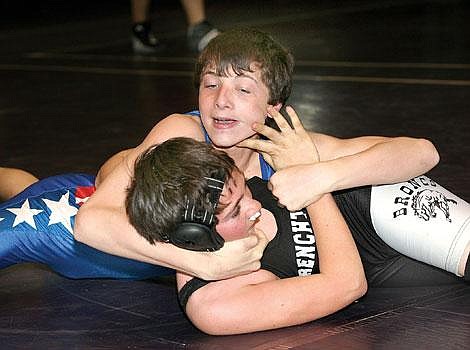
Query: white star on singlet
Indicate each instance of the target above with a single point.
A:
(24, 214)
(61, 211)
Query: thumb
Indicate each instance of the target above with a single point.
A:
(262, 240)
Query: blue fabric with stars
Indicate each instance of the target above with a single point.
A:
(266, 170)
(36, 226)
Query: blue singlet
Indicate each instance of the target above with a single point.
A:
(36, 226)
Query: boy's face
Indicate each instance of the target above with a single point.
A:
(238, 217)
(230, 104)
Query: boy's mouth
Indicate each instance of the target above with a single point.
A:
(224, 122)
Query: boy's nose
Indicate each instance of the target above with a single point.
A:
(223, 98)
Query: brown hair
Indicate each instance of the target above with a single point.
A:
(165, 177)
(247, 49)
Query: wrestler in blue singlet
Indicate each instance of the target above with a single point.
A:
(266, 170)
(37, 224)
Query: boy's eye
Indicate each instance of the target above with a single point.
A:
(245, 91)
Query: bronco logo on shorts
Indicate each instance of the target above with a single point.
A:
(426, 202)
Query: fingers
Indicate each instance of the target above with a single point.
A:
(282, 121)
(267, 131)
(272, 134)
(258, 145)
(254, 246)
(262, 242)
(296, 123)
(279, 119)
(238, 257)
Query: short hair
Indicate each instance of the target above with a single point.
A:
(168, 175)
(240, 49)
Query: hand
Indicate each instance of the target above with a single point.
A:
(285, 148)
(299, 186)
(236, 257)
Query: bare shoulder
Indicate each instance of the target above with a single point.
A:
(176, 125)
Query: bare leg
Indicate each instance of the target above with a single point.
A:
(13, 181)
(143, 39)
(195, 11)
(140, 10)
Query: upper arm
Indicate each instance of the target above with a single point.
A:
(116, 174)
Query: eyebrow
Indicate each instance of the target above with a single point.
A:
(247, 76)
(214, 73)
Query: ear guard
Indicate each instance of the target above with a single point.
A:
(195, 236)
(197, 229)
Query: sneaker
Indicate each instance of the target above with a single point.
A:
(143, 39)
(200, 34)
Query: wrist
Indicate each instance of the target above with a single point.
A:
(331, 176)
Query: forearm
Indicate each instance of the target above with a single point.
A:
(116, 236)
(391, 161)
(338, 254)
(111, 233)
(260, 301)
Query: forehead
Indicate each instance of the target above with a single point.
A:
(232, 69)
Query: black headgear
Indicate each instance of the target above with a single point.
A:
(197, 228)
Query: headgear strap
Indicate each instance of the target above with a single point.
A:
(197, 229)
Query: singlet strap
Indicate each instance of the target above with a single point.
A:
(188, 289)
(196, 113)
(266, 170)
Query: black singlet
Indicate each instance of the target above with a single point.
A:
(384, 266)
(292, 252)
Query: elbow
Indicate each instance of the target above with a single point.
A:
(430, 154)
(210, 328)
(214, 318)
(360, 288)
(208, 324)
(216, 322)
(360, 284)
(355, 287)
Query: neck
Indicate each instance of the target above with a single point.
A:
(246, 160)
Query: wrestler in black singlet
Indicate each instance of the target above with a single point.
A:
(383, 266)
